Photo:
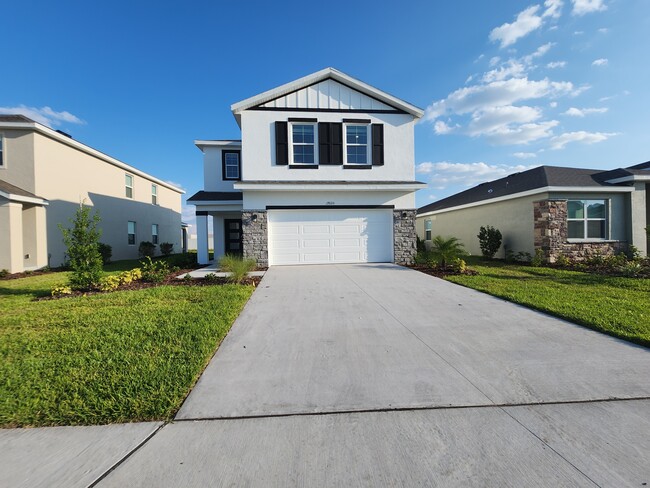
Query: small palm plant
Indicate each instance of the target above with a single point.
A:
(445, 249)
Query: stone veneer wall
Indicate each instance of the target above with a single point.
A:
(404, 236)
(255, 236)
(551, 234)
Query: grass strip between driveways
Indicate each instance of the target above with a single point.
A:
(117, 357)
(618, 306)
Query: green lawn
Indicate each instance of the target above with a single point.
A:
(613, 305)
(119, 357)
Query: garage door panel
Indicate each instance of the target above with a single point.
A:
(330, 236)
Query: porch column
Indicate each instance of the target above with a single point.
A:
(202, 237)
(11, 237)
(638, 218)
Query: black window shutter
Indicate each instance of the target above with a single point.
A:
(377, 144)
(324, 143)
(281, 143)
(336, 151)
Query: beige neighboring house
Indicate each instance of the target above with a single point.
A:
(45, 174)
(572, 212)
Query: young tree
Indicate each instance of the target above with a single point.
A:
(489, 240)
(82, 241)
(446, 249)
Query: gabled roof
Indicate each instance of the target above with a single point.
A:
(216, 196)
(551, 177)
(15, 193)
(324, 74)
(14, 118)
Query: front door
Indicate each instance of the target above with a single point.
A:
(232, 232)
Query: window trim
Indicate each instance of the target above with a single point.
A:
(127, 187)
(223, 164)
(3, 151)
(368, 144)
(427, 232)
(154, 236)
(585, 220)
(154, 194)
(291, 124)
(129, 234)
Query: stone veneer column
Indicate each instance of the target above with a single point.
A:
(550, 217)
(255, 241)
(404, 236)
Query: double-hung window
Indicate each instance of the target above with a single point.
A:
(131, 233)
(128, 181)
(154, 194)
(357, 149)
(587, 219)
(303, 143)
(427, 230)
(154, 233)
(230, 165)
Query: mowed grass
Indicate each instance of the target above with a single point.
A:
(117, 357)
(614, 305)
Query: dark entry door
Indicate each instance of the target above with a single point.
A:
(232, 232)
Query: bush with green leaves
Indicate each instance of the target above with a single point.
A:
(106, 252)
(154, 271)
(489, 240)
(237, 266)
(82, 241)
(538, 259)
(146, 249)
(4, 273)
(166, 248)
(445, 249)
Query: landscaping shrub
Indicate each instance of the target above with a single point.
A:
(154, 271)
(166, 248)
(82, 241)
(106, 252)
(210, 278)
(146, 249)
(58, 291)
(445, 249)
(237, 266)
(489, 240)
(4, 273)
(538, 259)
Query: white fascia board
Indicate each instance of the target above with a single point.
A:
(402, 187)
(23, 199)
(317, 77)
(223, 143)
(629, 179)
(52, 134)
(546, 189)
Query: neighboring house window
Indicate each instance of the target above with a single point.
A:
(230, 165)
(303, 143)
(2, 151)
(154, 194)
(427, 230)
(129, 185)
(587, 219)
(154, 233)
(131, 232)
(356, 144)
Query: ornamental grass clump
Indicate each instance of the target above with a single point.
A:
(237, 266)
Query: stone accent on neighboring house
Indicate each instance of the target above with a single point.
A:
(551, 235)
(404, 236)
(255, 236)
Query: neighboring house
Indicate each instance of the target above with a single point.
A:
(45, 175)
(324, 173)
(569, 211)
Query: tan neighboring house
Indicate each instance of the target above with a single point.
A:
(572, 212)
(45, 174)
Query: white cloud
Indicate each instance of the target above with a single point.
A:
(441, 128)
(582, 136)
(494, 60)
(525, 155)
(511, 69)
(469, 78)
(494, 120)
(582, 7)
(556, 64)
(432, 197)
(578, 33)
(43, 115)
(600, 62)
(580, 90)
(445, 174)
(526, 22)
(603, 30)
(552, 104)
(539, 52)
(424, 168)
(553, 8)
(481, 56)
(581, 112)
(522, 134)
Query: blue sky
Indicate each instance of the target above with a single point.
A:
(506, 85)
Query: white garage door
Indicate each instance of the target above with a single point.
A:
(330, 236)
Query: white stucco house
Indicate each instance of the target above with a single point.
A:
(324, 173)
(44, 176)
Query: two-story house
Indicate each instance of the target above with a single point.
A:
(45, 175)
(324, 173)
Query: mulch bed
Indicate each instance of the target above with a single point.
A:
(442, 272)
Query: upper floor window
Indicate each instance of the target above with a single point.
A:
(356, 144)
(129, 185)
(587, 219)
(131, 233)
(154, 233)
(154, 194)
(303, 143)
(427, 230)
(231, 169)
(2, 152)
